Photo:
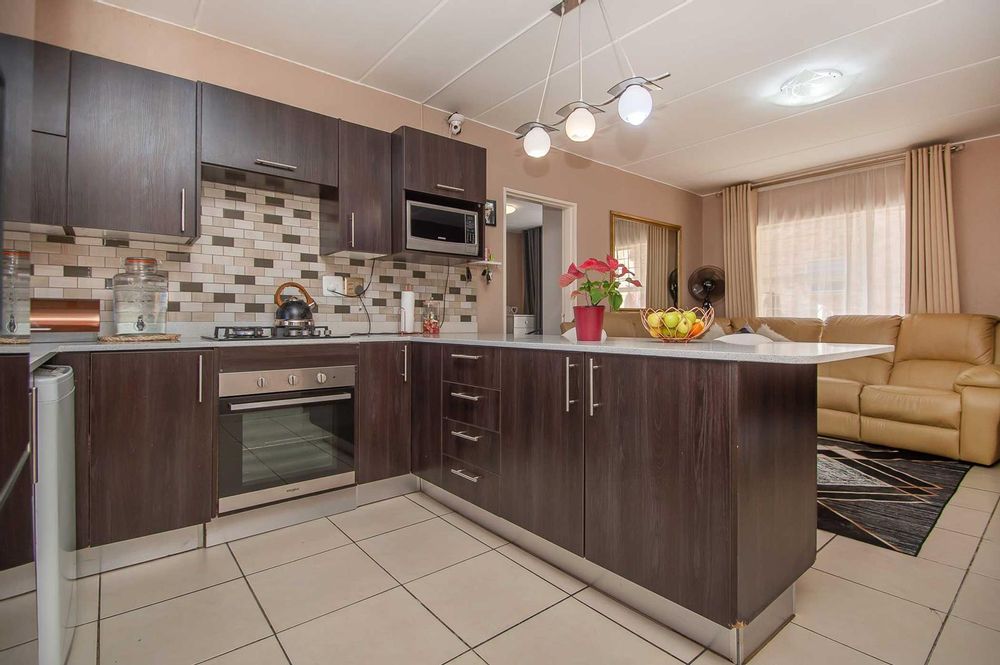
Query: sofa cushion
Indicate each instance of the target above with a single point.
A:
(963, 338)
(795, 329)
(854, 329)
(919, 406)
(839, 394)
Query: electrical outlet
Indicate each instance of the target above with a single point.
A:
(353, 285)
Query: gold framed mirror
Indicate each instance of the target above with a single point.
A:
(651, 249)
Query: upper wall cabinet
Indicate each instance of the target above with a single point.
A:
(51, 108)
(440, 165)
(132, 163)
(258, 135)
(16, 73)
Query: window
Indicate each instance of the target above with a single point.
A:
(833, 245)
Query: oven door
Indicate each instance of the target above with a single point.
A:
(434, 228)
(282, 445)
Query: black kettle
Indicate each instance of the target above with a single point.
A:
(294, 311)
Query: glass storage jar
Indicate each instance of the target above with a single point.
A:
(140, 298)
(15, 297)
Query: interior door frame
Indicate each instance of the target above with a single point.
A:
(568, 209)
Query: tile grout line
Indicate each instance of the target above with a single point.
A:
(846, 646)
(260, 607)
(892, 595)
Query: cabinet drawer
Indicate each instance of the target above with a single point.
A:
(471, 444)
(472, 406)
(472, 365)
(472, 484)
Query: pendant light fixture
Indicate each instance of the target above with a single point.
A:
(579, 115)
(536, 134)
(635, 102)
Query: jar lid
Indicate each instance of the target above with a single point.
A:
(16, 253)
(140, 260)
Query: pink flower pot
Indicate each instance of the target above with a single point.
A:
(589, 322)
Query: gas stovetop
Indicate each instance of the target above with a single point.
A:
(264, 333)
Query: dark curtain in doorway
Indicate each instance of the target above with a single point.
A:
(533, 275)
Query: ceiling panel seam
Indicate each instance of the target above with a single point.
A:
(403, 39)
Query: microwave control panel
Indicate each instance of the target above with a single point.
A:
(470, 229)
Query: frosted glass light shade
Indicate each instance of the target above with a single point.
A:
(635, 105)
(537, 142)
(580, 125)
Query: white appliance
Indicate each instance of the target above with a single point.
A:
(55, 512)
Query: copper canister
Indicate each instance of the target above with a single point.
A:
(65, 315)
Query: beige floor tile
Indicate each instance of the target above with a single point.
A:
(265, 652)
(88, 592)
(573, 633)
(671, 642)
(483, 596)
(983, 478)
(429, 503)
(146, 583)
(993, 529)
(822, 538)
(84, 648)
(274, 548)
(969, 497)
(24, 654)
(709, 658)
(380, 517)
(949, 547)
(305, 589)
(795, 645)
(965, 643)
(979, 601)
(184, 630)
(421, 549)
(467, 658)
(543, 569)
(894, 630)
(987, 560)
(387, 629)
(484, 536)
(18, 620)
(963, 520)
(922, 581)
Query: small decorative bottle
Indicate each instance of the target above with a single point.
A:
(15, 299)
(140, 298)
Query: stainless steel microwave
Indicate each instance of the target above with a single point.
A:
(441, 229)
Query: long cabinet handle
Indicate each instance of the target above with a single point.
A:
(593, 404)
(467, 437)
(569, 402)
(465, 356)
(466, 396)
(462, 474)
(352, 229)
(406, 364)
(183, 208)
(450, 188)
(201, 378)
(274, 165)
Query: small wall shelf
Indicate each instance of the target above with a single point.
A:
(491, 264)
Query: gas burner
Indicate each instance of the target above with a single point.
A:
(242, 332)
(309, 331)
(264, 333)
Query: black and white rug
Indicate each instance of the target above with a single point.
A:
(886, 497)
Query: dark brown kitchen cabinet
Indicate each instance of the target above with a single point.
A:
(425, 419)
(363, 221)
(48, 166)
(132, 163)
(254, 134)
(383, 426)
(541, 487)
(16, 516)
(152, 419)
(16, 90)
(50, 110)
(440, 165)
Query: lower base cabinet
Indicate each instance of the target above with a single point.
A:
(152, 418)
(383, 428)
(425, 421)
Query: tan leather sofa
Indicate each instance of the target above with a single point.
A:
(938, 392)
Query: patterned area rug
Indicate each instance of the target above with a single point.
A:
(886, 497)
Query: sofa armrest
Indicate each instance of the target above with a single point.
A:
(980, 376)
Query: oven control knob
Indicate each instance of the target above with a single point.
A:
(291, 379)
(261, 382)
(320, 377)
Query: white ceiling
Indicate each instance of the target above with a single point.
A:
(526, 215)
(922, 70)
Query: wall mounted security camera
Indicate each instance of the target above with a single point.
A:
(455, 121)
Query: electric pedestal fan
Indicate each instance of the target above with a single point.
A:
(707, 284)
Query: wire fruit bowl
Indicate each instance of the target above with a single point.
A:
(704, 318)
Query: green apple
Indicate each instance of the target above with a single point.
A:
(653, 319)
(690, 316)
(670, 319)
(683, 328)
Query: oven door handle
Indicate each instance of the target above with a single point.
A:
(246, 406)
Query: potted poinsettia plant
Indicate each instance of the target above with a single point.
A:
(605, 285)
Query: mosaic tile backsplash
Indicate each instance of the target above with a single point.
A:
(251, 241)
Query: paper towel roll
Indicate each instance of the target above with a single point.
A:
(406, 310)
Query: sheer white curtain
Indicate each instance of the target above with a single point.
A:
(632, 249)
(833, 245)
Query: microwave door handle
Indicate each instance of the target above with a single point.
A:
(247, 406)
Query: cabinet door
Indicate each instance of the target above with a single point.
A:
(48, 166)
(132, 150)
(365, 208)
(658, 503)
(152, 418)
(425, 382)
(16, 517)
(541, 455)
(51, 97)
(16, 74)
(444, 166)
(383, 425)
(259, 135)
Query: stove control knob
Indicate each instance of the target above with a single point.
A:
(320, 377)
(291, 379)
(261, 382)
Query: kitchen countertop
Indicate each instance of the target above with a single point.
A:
(796, 353)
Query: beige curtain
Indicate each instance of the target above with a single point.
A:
(930, 222)
(659, 266)
(739, 220)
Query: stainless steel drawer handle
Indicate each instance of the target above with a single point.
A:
(593, 404)
(569, 402)
(183, 209)
(465, 396)
(467, 437)
(464, 356)
(450, 188)
(462, 474)
(274, 165)
(352, 229)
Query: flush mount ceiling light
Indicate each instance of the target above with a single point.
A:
(811, 86)
(635, 102)
(510, 208)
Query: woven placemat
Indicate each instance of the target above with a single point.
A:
(15, 340)
(158, 337)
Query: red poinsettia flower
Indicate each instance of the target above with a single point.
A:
(594, 264)
(613, 263)
(570, 276)
(633, 282)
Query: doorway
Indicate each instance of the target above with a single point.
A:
(539, 242)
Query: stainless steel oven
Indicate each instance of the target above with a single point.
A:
(443, 229)
(284, 433)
